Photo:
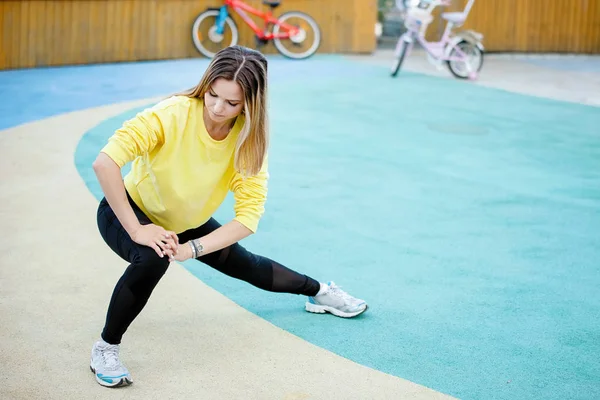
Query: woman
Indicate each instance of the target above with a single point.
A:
(187, 152)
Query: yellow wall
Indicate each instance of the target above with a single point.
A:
(60, 32)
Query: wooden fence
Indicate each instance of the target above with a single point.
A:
(540, 26)
(64, 32)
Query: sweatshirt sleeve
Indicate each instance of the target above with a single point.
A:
(139, 135)
(250, 195)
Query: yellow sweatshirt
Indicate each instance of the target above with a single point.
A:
(180, 175)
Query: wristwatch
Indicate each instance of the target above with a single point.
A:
(197, 248)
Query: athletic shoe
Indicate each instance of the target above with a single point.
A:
(337, 302)
(106, 366)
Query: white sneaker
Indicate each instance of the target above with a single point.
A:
(337, 302)
(106, 366)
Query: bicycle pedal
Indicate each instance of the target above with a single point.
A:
(435, 62)
(260, 42)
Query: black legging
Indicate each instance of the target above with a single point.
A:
(146, 268)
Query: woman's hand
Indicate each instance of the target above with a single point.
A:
(164, 242)
(184, 252)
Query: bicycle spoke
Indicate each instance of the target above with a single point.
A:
(465, 59)
(304, 42)
(206, 38)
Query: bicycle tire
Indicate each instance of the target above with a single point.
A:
(196, 26)
(400, 59)
(451, 65)
(312, 49)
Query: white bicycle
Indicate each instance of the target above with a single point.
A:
(462, 52)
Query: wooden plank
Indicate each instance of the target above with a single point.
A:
(365, 16)
(4, 33)
(23, 34)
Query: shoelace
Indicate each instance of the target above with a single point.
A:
(111, 356)
(337, 291)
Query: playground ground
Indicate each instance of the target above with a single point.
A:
(466, 214)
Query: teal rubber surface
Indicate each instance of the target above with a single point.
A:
(467, 217)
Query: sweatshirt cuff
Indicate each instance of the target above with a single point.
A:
(248, 222)
(116, 153)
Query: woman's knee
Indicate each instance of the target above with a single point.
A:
(150, 262)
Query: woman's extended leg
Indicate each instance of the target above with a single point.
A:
(259, 271)
(270, 275)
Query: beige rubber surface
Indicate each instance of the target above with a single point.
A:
(190, 342)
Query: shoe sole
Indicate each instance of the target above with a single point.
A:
(317, 309)
(122, 382)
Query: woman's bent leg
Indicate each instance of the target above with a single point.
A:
(135, 286)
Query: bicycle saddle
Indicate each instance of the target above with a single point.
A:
(272, 3)
(454, 17)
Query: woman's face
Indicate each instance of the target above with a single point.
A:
(224, 100)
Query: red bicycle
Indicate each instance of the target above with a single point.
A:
(295, 34)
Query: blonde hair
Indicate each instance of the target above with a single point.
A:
(248, 68)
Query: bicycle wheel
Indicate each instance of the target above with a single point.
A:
(205, 36)
(400, 58)
(473, 64)
(306, 41)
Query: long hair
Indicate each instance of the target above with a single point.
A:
(248, 68)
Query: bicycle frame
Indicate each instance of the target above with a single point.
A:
(242, 9)
(437, 49)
